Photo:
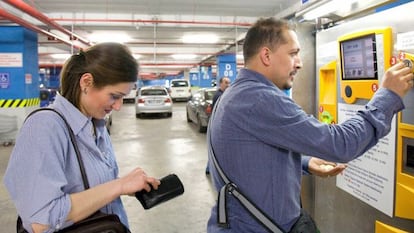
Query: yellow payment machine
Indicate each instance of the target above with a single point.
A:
(328, 93)
(384, 228)
(364, 57)
(363, 54)
(404, 190)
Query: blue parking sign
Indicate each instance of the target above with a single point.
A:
(4, 80)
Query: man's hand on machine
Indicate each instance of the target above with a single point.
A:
(399, 78)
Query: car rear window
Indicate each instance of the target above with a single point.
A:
(153, 92)
(179, 84)
(209, 95)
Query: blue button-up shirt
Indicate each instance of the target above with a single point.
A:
(258, 135)
(43, 169)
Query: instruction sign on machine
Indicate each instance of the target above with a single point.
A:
(364, 57)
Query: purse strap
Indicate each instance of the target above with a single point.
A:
(231, 188)
(73, 140)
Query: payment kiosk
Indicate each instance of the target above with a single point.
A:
(404, 190)
(364, 56)
(376, 191)
(328, 93)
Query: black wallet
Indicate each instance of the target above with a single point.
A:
(169, 188)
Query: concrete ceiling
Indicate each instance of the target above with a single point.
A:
(155, 27)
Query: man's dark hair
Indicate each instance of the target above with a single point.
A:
(265, 32)
(222, 79)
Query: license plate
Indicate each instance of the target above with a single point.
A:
(154, 101)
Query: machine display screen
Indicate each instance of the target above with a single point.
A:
(359, 58)
(408, 158)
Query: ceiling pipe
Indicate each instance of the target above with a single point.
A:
(43, 18)
(152, 64)
(163, 43)
(175, 43)
(225, 50)
(148, 53)
(153, 22)
(52, 22)
(34, 28)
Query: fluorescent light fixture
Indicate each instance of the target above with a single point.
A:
(61, 56)
(163, 66)
(183, 56)
(137, 56)
(200, 38)
(329, 7)
(109, 37)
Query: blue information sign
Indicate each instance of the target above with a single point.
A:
(4, 80)
(194, 79)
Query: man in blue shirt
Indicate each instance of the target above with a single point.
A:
(224, 84)
(259, 134)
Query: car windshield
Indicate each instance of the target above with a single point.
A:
(153, 92)
(197, 95)
(179, 84)
(210, 94)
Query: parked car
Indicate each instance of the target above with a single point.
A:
(108, 122)
(214, 82)
(180, 89)
(130, 98)
(47, 96)
(153, 99)
(199, 108)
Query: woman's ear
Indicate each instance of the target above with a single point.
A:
(86, 81)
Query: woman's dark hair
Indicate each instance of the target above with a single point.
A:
(265, 32)
(109, 64)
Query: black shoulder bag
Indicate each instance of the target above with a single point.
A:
(98, 222)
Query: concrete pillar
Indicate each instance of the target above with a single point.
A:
(19, 79)
(205, 76)
(226, 66)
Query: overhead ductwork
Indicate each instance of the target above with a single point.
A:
(46, 20)
(32, 27)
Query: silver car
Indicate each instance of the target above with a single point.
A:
(153, 99)
(108, 122)
(199, 108)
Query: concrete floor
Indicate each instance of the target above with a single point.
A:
(161, 146)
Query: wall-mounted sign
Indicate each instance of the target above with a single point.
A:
(4, 80)
(28, 78)
(370, 177)
(405, 41)
(11, 60)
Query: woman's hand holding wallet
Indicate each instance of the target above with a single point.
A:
(169, 188)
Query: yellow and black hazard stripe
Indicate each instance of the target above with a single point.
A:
(19, 103)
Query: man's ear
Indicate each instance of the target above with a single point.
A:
(265, 56)
(86, 80)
